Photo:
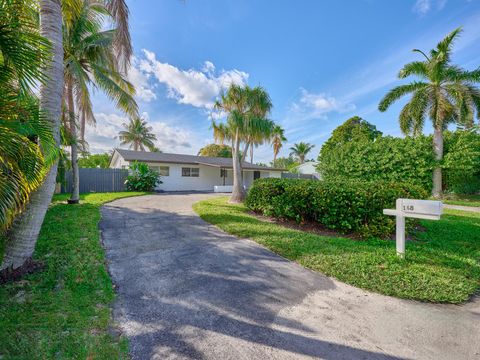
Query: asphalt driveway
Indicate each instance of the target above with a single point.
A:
(186, 290)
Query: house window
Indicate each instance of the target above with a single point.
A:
(256, 175)
(155, 168)
(165, 170)
(223, 173)
(191, 172)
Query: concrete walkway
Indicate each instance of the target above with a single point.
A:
(462, 207)
(189, 291)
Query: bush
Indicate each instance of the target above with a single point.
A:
(142, 178)
(345, 206)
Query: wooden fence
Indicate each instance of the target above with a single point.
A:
(97, 180)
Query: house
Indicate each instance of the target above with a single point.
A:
(180, 172)
(307, 168)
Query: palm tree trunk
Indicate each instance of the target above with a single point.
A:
(238, 193)
(25, 229)
(274, 157)
(251, 154)
(75, 197)
(437, 172)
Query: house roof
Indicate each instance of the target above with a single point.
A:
(131, 155)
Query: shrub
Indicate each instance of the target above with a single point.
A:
(142, 178)
(345, 206)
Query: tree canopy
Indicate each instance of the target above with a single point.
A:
(216, 150)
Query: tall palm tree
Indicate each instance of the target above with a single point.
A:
(138, 135)
(444, 92)
(24, 231)
(90, 61)
(246, 110)
(220, 132)
(301, 150)
(277, 140)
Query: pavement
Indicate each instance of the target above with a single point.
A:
(462, 207)
(187, 290)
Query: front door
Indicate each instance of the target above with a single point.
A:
(256, 175)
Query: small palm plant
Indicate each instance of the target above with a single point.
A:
(138, 135)
(445, 93)
(301, 150)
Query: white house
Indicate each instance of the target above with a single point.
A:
(308, 168)
(181, 172)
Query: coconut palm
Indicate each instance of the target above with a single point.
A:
(24, 231)
(277, 140)
(246, 110)
(301, 150)
(138, 135)
(90, 61)
(444, 92)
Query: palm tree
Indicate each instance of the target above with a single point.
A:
(220, 133)
(90, 61)
(246, 110)
(300, 151)
(138, 135)
(24, 231)
(444, 92)
(277, 140)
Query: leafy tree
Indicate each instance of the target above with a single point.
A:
(90, 60)
(300, 151)
(277, 140)
(138, 135)
(94, 161)
(443, 92)
(354, 128)
(285, 163)
(247, 109)
(142, 178)
(216, 150)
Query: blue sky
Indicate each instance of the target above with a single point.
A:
(321, 62)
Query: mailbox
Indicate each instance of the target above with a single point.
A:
(419, 209)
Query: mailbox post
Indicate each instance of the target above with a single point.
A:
(420, 209)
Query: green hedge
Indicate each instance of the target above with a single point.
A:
(345, 206)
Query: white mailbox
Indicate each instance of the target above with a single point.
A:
(420, 209)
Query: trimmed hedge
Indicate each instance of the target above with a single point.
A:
(345, 206)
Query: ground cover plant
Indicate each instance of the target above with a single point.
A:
(442, 264)
(64, 311)
(345, 206)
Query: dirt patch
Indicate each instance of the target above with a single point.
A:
(10, 275)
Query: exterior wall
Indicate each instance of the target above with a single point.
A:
(307, 168)
(207, 179)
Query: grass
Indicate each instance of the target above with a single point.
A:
(441, 265)
(64, 311)
(465, 200)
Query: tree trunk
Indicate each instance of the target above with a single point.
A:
(238, 193)
(251, 154)
(75, 196)
(437, 172)
(274, 157)
(24, 232)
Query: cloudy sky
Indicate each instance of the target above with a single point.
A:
(321, 62)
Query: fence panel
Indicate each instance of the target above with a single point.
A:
(286, 175)
(97, 180)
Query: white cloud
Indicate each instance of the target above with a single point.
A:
(140, 79)
(317, 106)
(103, 136)
(198, 88)
(422, 7)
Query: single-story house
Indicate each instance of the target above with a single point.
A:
(180, 172)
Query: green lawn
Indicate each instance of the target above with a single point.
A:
(441, 265)
(466, 200)
(64, 311)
